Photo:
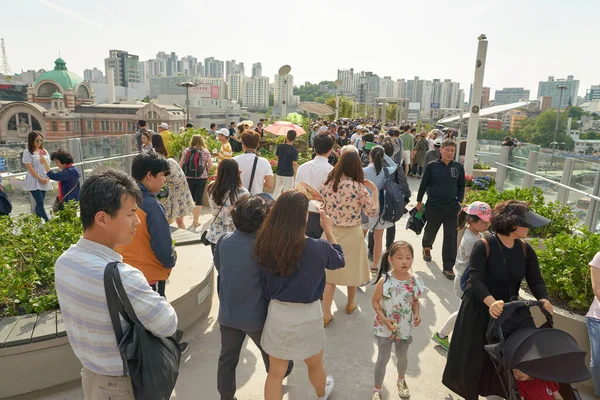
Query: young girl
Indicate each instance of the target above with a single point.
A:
(476, 217)
(146, 141)
(396, 303)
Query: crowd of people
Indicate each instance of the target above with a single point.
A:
(280, 258)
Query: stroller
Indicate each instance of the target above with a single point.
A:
(544, 353)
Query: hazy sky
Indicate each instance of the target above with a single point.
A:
(529, 40)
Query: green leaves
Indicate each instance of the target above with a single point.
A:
(28, 251)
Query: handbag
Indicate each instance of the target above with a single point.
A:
(416, 222)
(5, 204)
(151, 362)
(203, 238)
(57, 203)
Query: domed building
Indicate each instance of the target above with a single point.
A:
(61, 105)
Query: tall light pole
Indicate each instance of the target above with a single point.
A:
(561, 88)
(284, 71)
(475, 103)
(187, 86)
(337, 83)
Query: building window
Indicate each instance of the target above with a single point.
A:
(67, 126)
(89, 126)
(118, 126)
(35, 125)
(54, 126)
(12, 123)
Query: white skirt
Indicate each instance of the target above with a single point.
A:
(293, 331)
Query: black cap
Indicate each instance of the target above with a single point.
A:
(534, 220)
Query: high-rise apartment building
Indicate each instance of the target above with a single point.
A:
(232, 68)
(400, 88)
(414, 89)
(125, 65)
(94, 75)
(545, 103)
(190, 66)
(257, 70)
(367, 87)
(386, 87)
(510, 95)
(256, 93)
(485, 97)
(551, 88)
(283, 88)
(220, 82)
(347, 78)
(235, 89)
(214, 68)
(593, 93)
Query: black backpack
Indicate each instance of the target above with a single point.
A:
(391, 199)
(192, 164)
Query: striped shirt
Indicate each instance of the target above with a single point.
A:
(34, 159)
(79, 278)
(225, 151)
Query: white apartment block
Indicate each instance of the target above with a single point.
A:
(256, 93)
(283, 88)
(235, 88)
(347, 78)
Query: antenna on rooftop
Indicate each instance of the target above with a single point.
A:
(4, 67)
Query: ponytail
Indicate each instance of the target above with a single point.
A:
(385, 266)
(464, 219)
(377, 153)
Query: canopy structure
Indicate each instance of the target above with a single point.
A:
(486, 111)
(316, 108)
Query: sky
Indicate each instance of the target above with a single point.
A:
(529, 40)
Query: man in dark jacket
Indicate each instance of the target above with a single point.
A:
(444, 182)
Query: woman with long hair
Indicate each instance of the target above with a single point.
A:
(346, 198)
(294, 268)
(36, 181)
(195, 163)
(222, 195)
(374, 172)
(179, 202)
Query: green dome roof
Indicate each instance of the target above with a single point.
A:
(60, 75)
(57, 95)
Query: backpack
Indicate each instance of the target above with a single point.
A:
(465, 278)
(391, 199)
(193, 168)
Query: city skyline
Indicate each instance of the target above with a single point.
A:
(435, 50)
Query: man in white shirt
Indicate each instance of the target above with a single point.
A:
(109, 201)
(263, 173)
(314, 173)
(356, 134)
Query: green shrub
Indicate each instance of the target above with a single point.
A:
(564, 264)
(28, 251)
(182, 141)
(562, 217)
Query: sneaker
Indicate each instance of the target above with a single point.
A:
(427, 254)
(329, 385)
(449, 275)
(403, 391)
(184, 347)
(376, 396)
(444, 342)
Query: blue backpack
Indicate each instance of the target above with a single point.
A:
(391, 199)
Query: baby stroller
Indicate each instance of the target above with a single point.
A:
(544, 353)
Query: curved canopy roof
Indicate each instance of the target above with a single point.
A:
(486, 111)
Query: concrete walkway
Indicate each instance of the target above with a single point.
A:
(350, 352)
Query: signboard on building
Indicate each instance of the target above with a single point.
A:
(435, 105)
(2, 164)
(205, 90)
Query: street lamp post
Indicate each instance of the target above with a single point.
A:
(561, 88)
(337, 83)
(187, 86)
(284, 71)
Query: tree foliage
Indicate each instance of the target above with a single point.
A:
(345, 107)
(541, 130)
(314, 92)
(577, 112)
(492, 134)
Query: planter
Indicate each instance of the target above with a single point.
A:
(566, 321)
(483, 172)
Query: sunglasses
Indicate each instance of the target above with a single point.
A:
(39, 140)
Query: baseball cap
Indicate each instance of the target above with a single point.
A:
(534, 220)
(224, 132)
(438, 142)
(479, 209)
(164, 125)
(359, 127)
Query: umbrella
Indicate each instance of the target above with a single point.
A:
(281, 128)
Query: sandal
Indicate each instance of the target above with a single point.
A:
(326, 321)
(350, 309)
(374, 270)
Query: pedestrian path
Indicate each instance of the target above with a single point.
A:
(350, 352)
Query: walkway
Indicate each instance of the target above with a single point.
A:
(349, 353)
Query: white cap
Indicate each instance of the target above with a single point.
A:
(164, 125)
(224, 132)
(437, 142)
(359, 127)
(323, 128)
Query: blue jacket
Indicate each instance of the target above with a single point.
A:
(68, 179)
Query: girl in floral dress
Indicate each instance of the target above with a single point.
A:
(396, 304)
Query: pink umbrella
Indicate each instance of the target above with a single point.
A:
(281, 128)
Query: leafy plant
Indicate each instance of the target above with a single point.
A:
(28, 251)
(562, 218)
(481, 166)
(182, 141)
(481, 183)
(564, 262)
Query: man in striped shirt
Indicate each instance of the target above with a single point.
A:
(225, 151)
(109, 202)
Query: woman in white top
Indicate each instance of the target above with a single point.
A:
(36, 181)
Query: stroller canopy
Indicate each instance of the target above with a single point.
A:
(547, 354)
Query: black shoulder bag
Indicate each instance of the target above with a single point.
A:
(150, 361)
(253, 173)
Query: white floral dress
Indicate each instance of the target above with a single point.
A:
(396, 304)
(222, 216)
(179, 201)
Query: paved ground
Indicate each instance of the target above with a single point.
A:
(349, 353)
